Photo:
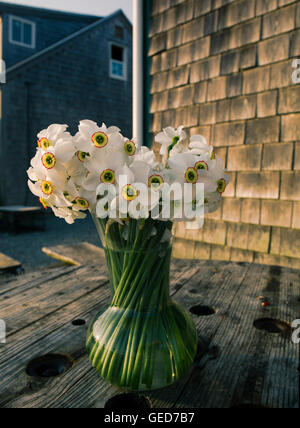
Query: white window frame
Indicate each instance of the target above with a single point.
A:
(125, 61)
(23, 21)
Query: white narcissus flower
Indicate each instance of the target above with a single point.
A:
(215, 180)
(145, 173)
(177, 149)
(48, 137)
(182, 168)
(92, 138)
(38, 171)
(128, 148)
(146, 155)
(104, 169)
(54, 156)
(76, 168)
(49, 192)
(170, 137)
(198, 146)
(56, 141)
(136, 199)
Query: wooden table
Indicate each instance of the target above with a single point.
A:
(243, 366)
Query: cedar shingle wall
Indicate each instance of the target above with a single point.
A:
(223, 68)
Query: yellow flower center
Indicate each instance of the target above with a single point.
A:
(129, 192)
(44, 143)
(221, 185)
(48, 160)
(83, 203)
(155, 182)
(108, 176)
(191, 175)
(201, 165)
(47, 188)
(130, 148)
(213, 155)
(100, 140)
(81, 156)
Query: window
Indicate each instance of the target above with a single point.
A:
(118, 62)
(21, 32)
(119, 32)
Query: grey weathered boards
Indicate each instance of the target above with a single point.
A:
(242, 365)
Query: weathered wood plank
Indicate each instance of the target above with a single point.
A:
(77, 254)
(243, 365)
(14, 285)
(7, 264)
(36, 302)
(240, 375)
(215, 287)
(54, 334)
(31, 298)
(24, 344)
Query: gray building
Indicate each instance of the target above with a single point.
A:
(61, 68)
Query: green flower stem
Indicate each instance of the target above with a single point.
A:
(143, 341)
(154, 299)
(120, 322)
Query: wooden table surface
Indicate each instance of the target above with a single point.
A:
(242, 366)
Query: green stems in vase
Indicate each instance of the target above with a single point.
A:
(143, 341)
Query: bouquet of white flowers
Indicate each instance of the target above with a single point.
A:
(143, 340)
(72, 174)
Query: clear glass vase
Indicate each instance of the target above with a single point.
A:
(143, 341)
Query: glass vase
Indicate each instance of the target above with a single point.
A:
(144, 340)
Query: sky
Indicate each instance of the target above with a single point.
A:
(91, 7)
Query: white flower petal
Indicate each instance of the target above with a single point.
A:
(64, 150)
(163, 139)
(141, 171)
(198, 139)
(92, 182)
(55, 130)
(35, 189)
(87, 128)
(170, 132)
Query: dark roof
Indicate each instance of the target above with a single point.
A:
(46, 13)
(49, 50)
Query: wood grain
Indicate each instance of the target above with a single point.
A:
(77, 255)
(7, 264)
(241, 366)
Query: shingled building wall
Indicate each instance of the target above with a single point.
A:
(223, 68)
